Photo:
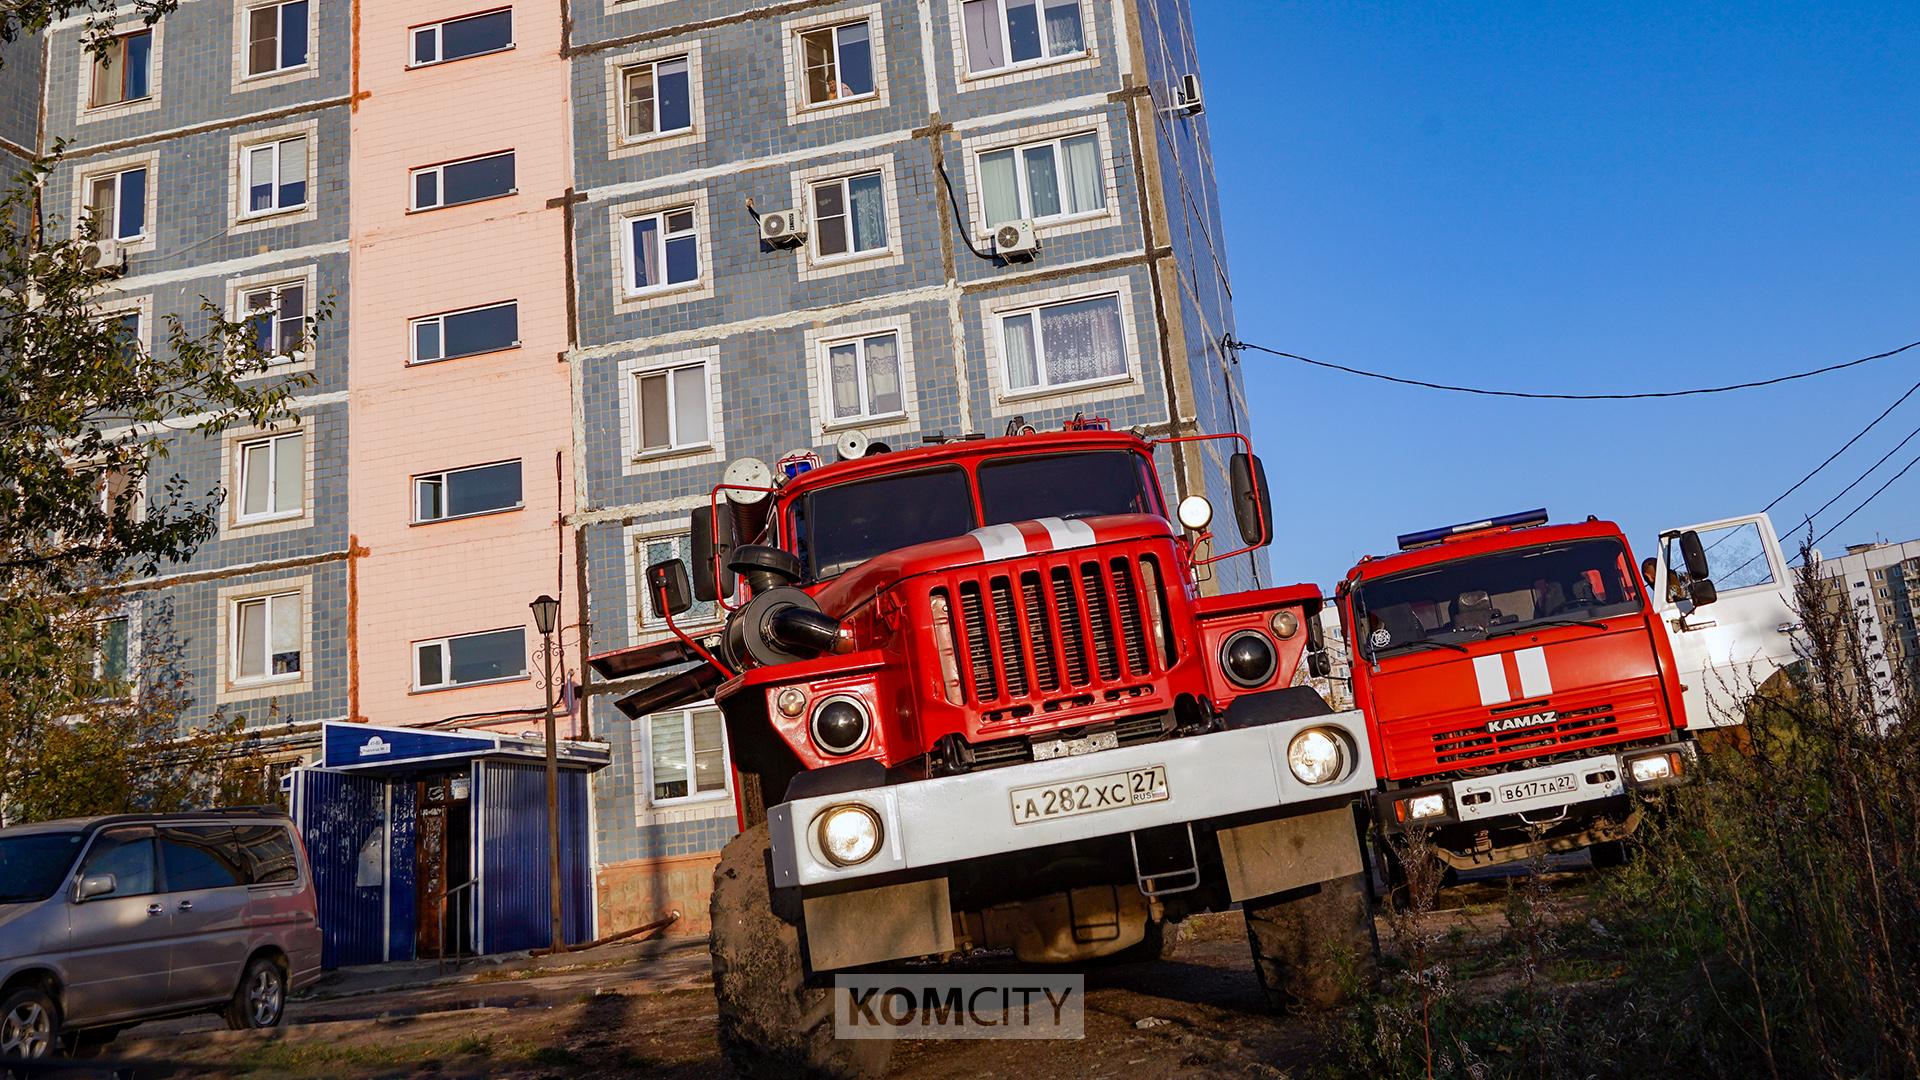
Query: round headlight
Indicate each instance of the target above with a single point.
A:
(792, 701)
(1317, 755)
(849, 834)
(1196, 512)
(1248, 658)
(1285, 624)
(840, 725)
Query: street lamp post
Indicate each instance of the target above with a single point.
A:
(546, 612)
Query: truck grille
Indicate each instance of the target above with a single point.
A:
(1062, 634)
(1019, 749)
(1581, 726)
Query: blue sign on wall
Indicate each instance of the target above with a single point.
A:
(357, 746)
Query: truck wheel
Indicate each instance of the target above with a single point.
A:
(1158, 943)
(1311, 948)
(772, 1023)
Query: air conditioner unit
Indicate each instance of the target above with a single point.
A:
(106, 255)
(1190, 101)
(784, 228)
(1014, 240)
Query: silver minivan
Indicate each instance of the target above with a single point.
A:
(106, 922)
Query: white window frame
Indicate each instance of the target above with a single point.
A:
(445, 645)
(629, 255)
(824, 357)
(235, 605)
(675, 446)
(279, 40)
(240, 515)
(246, 176)
(1043, 387)
(438, 170)
(132, 683)
(1024, 196)
(414, 358)
(244, 312)
(685, 719)
(440, 38)
(834, 28)
(441, 477)
(120, 43)
(844, 183)
(627, 137)
(1046, 56)
(119, 195)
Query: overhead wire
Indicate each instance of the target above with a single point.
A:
(1843, 449)
(1868, 499)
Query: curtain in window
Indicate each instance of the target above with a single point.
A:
(869, 213)
(690, 405)
(646, 253)
(709, 757)
(640, 101)
(667, 750)
(1017, 336)
(1000, 190)
(1063, 27)
(293, 173)
(883, 374)
(260, 178)
(843, 370)
(653, 412)
(255, 463)
(817, 56)
(284, 642)
(290, 473)
(1082, 340)
(252, 632)
(293, 316)
(1043, 180)
(1085, 192)
(984, 50)
(856, 61)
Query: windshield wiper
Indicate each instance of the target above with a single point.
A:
(1427, 643)
(1524, 627)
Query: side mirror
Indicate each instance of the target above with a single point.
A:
(668, 588)
(1695, 556)
(1319, 665)
(712, 535)
(96, 885)
(1702, 592)
(1252, 507)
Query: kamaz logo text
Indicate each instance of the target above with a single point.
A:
(1515, 723)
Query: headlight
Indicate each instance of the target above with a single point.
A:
(1432, 804)
(1248, 658)
(849, 834)
(840, 725)
(1651, 768)
(1285, 624)
(792, 701)
(1317, 756)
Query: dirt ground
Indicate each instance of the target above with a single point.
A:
(1197, 1014)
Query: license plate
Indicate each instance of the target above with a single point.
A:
(1529, 789)
(1090, 795)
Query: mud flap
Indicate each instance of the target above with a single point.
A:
(1276, 856)
(866, 926)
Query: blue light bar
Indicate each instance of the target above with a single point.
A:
(1409, 541)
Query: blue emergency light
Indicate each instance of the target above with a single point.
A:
(1425, 538)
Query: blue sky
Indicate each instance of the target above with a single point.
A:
(1571, 198)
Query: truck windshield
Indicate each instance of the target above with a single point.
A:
(32, 867)
(840, 527)
(1065, 485)
(1493, 595)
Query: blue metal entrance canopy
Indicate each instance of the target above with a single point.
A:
(370, 748)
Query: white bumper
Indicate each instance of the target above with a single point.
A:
(1596, 777)
(928, 823)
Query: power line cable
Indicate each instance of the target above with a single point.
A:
(1868, 499)
(1808, 520)
(1233, 343)
(1843, 449)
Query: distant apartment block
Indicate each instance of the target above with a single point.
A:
(1879, 584)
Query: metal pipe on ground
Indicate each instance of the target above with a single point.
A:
(658, 924)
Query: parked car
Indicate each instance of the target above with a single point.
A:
(110, 921)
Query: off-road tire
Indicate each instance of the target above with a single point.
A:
(1159, 943)
(1313, 946)
(1393, 869)
(773, 1021)
(260, 1001)
(1609, 854)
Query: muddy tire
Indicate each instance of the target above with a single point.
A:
(1313, 946)
(772, 1021)
(1159, 943)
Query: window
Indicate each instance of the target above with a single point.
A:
(470, 659)
(1736, 555)
(863, 377)
(117, 204)
(1058, 178)
(686, 754)
(199, 857)
(1061, 344)
(457, 182)
(672, 412)
(838, 62)
(124, 71)
(267, 636)
(457, 39)
(656, 98)
(457, 493)
(112, 657)
(274, 176)
(662, 250)
(273, 476)
(653, 550)
(1007, 33)
(849, 216)
(125, 330)
(278, 315)
(466, 333)
(267, 851)
(276, 37)
(127, 854)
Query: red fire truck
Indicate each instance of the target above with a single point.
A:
(1524, 682)
(975, 698)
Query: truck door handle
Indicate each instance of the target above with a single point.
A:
(1787, 627)
(156, 909)
(186, 905)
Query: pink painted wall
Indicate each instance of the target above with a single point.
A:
(453, 577)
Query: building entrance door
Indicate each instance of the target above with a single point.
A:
(442, 842)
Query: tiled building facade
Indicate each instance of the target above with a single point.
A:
(1880, 585)
(563, 323)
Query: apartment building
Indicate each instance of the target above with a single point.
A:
(898, 134)
(1880, 584)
